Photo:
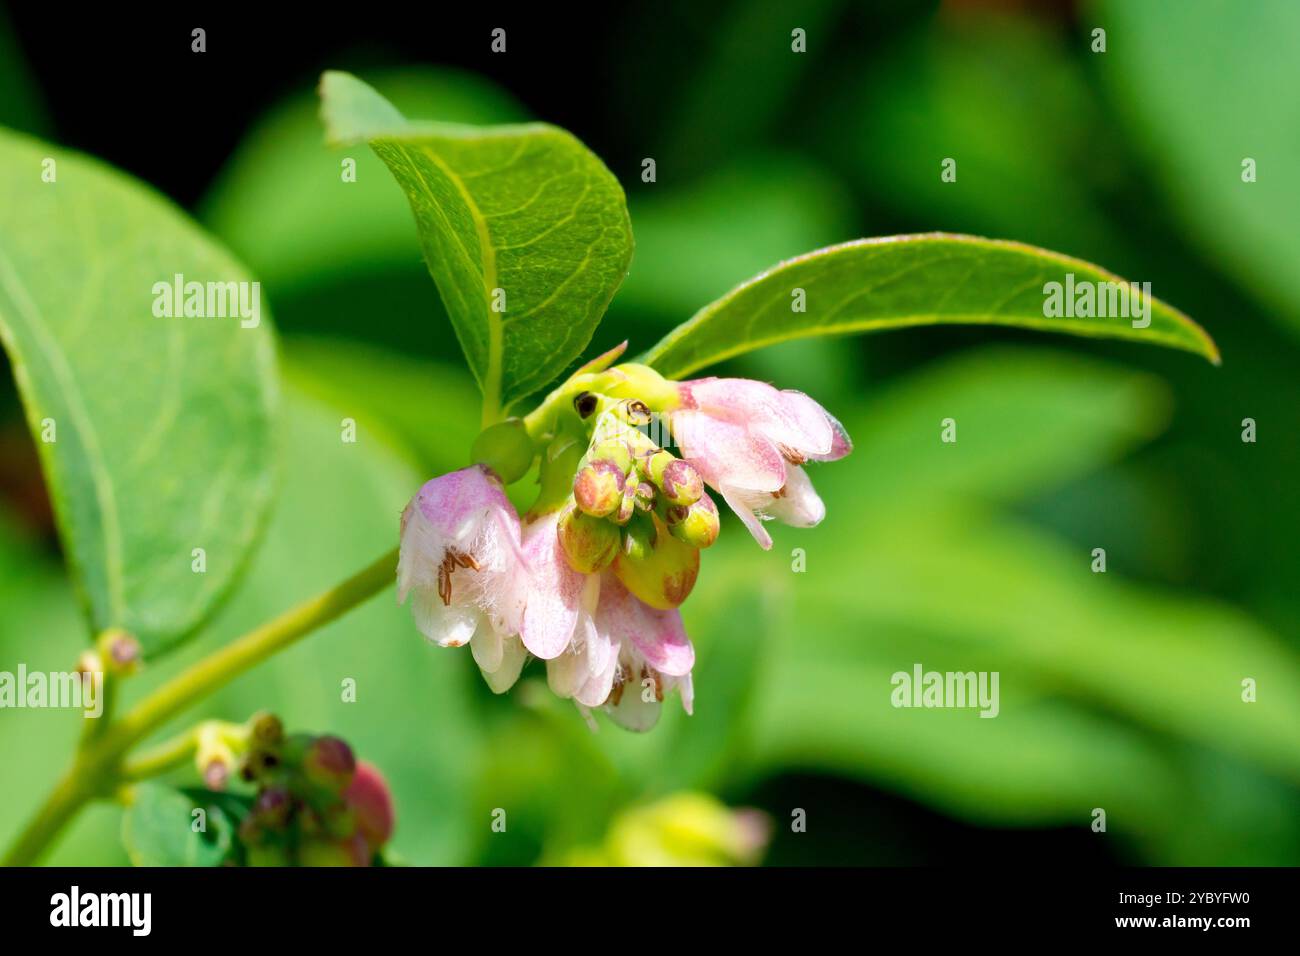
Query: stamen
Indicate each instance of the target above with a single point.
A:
(792, 456)
(464, 560)
(444, 585)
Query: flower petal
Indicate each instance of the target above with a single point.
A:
(513, 657)
(726, 453)
(736, 501)
(456, 502)
(566, 673)
(486, 648)
(595, 689)
(633, 711)
(448, 626)
(841, 444)
(803, 426)
(555, 591)
(799, 504)
(657, 635)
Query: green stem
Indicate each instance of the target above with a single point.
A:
(166, 756)
(97, 768)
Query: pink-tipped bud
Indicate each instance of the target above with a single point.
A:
(615, 450)
(627, 504)
(598, 487)
(589, 543)
(645, 496)
(267, 731)
(272, 807)
(329, 764)
(695, 524)
(216, 774)
(680, 483)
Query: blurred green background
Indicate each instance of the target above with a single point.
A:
(1120, 691)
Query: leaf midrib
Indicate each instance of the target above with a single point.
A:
(110, 523)
(488, 262)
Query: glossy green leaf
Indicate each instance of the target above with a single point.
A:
(165, 827)
(524, 230)
(900, 281)
(299, 217)
(160, 427)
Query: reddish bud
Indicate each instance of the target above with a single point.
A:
(372, 803)
(598, 487)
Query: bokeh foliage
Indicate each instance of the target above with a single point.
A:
(1120, 690)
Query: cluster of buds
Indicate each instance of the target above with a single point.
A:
(591, 578)
(315, 804)
(636, 507)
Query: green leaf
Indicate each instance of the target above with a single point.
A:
(525, 212)
(282, 204)
(161, 828)
(899, 281)
(161, 426)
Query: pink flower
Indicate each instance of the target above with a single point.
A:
(750, 441)
(460, 558)
(603, 647)
(625, 658)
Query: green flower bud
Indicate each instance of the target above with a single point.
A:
(695, 524)
(614, 450)
(664, 578)
(329, 764)
(339, 820)
(589, 543)
(505, 448)
(598, 487)
(119, 651)
(294, 749)
(352, 851)
(627, 504)
(677, 479)
(639, 537)
(645, 496)
(267, 731)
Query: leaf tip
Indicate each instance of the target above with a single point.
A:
(352, 110)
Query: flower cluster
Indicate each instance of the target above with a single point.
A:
(316, 805)
(591, 578)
